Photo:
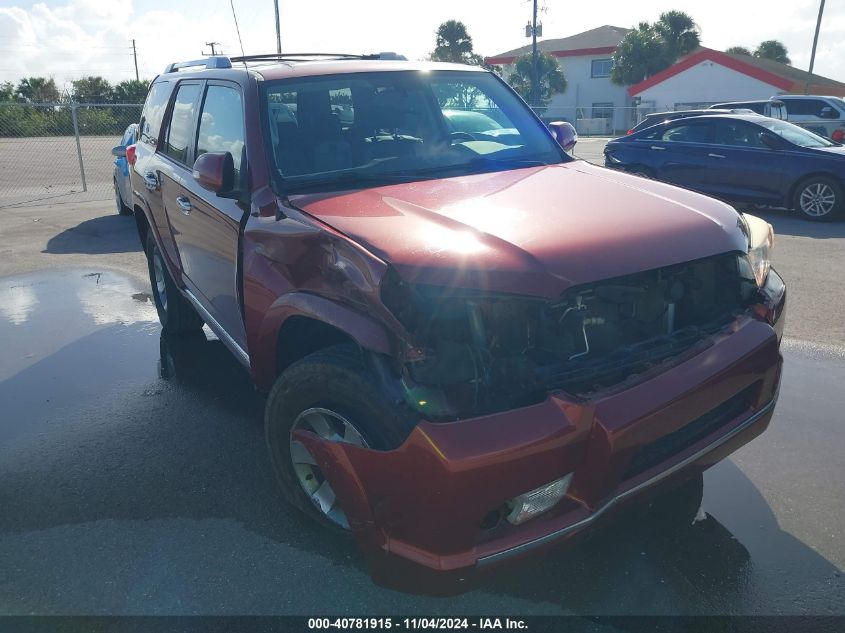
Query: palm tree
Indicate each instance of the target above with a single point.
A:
(773, 49)
(38, 90)
(640, 54)
(453, 43)
(551, 77)
(738, 50)
(679, 31)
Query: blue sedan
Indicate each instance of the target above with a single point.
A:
(743, 158)
(122, 188)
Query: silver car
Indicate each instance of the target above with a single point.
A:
(122, 190)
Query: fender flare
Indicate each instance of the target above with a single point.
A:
(368, 333)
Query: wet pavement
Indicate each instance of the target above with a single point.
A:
(134, 480)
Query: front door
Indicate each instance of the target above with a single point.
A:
(213, 221)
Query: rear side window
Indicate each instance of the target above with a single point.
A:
(153, 113)
(805, 107)
(221, 127)
(180, 130)
(698, 132)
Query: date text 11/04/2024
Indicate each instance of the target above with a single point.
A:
(513, 624)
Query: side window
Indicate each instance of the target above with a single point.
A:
(180, 129)
(694, 132)
(737, 134)
(805, 107)
(153, 112)
(221, 127)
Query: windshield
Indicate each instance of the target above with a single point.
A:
(362, 128)
(794, 134)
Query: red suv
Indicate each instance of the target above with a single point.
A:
(472, 344)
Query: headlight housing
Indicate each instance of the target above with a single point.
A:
(761, 239)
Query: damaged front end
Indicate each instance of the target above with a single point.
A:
(484, 353)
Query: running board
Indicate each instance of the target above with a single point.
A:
(221, 333)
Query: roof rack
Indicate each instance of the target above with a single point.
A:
(222, 61)
(216, 61)
(301, 57)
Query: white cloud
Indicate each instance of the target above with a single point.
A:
(70, 38)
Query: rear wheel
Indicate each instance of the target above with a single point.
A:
(332, 394)
(176, 313)
(818, 199)
(122, 209)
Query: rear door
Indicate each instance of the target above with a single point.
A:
(740, 167)
(678, 152)
(210, 223)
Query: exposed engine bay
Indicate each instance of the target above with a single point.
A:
(485, 353)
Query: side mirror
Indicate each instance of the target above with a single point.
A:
(564, 134)
(119, 151)
(215, 171)
(770, 140)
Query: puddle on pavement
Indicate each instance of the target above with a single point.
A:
(103, 418)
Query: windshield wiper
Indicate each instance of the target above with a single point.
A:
(356, 179)
(349, 179)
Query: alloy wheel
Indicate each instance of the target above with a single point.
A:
(817, 199)
(333, 427)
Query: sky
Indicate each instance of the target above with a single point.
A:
(67, 39)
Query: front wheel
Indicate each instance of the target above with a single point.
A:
(818, 199)
(332, 394)
(176, 314)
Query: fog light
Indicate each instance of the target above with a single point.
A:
(530, 504)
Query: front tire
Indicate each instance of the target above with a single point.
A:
(332, 394)
(176, 313)
(818, 199)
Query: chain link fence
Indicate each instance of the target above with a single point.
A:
(54, 150)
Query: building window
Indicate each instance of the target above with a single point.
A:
(602, 110)
(601, 68)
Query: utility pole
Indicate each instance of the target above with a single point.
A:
(535, 76)
(135, 55)
(278, 30)
(213, 50)
(815, 42)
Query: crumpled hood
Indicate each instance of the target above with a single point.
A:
(534, 231)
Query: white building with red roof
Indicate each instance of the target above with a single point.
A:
(591, 98)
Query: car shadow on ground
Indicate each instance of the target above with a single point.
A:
(97, 236)
(789, 223)
(190, 444)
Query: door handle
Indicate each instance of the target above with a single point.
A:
(657, 148)
(715, 155)
(151, 181)
(184, 204)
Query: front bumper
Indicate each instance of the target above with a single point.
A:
(428, 503)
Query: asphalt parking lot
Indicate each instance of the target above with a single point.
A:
(134, 479)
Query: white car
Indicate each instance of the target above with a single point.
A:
(824, 116)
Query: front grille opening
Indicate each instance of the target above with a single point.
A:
(491, 353)
(678, 441)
